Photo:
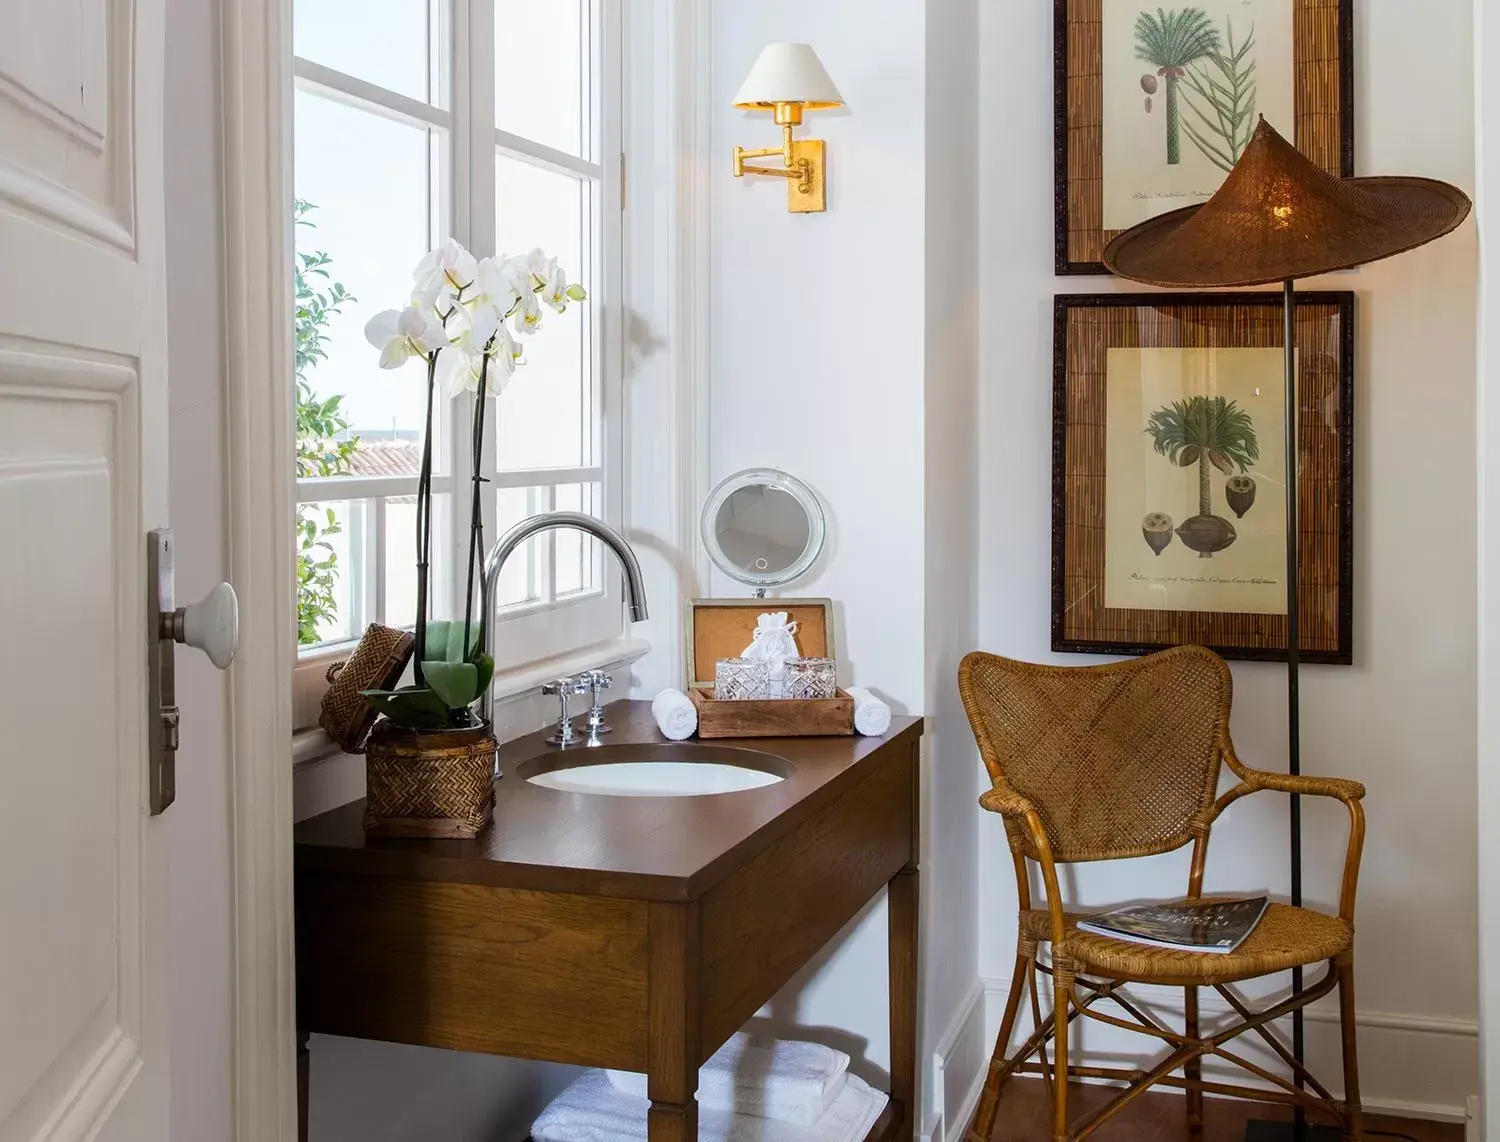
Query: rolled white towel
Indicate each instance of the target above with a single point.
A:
(675, 714)
(872, 717)
(757, 1074)
(592, 1110)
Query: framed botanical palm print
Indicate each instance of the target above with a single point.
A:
(1155, 102)
(1169, 517)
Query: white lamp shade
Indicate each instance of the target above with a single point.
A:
(788, 73)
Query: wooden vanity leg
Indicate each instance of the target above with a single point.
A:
(902, 939)
(672, 945)
(304, 1078)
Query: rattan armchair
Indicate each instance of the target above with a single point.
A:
(1106, 762)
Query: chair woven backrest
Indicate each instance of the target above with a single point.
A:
(1118, 760)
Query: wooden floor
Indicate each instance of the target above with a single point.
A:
(1026, 1116)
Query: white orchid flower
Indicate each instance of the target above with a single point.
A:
(549, 281)
(555, 292)
(495, 286)
(526, 314)
(540, 266)
(458, 371)
(401, 334)
(505, 358)
(443, 273)
(499, 281)
(459, 366)
(472, 322)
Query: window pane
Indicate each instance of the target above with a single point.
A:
(367, 181)
(541, 71)
(384, 42)
(521, 578)
(325, 580)
(401, 559)
(543, 419)
(577, 554)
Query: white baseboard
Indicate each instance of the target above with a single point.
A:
(958, 1066)
(1410, 1066)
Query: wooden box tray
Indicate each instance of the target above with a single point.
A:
(723, 628)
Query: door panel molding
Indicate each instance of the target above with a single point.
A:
(70, 436)
(68, 96)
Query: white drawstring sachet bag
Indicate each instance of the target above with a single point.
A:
(773, 644)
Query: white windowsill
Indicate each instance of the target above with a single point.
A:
(514, 689)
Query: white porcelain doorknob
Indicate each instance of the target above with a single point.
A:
(212, 624)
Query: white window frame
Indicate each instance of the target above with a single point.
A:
(464, 192)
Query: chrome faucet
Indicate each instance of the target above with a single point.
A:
(635, 590)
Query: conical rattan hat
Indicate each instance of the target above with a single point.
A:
(1279, 216)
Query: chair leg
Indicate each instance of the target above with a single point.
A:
(989, 1099)
(1354, 1129)
(1062, 1002)
(1036, 1020)
(1192, 1070)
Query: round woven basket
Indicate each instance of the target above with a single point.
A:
(428, 783)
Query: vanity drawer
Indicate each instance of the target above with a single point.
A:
(473, 967)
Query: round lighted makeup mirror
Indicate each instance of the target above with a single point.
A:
(762, 528)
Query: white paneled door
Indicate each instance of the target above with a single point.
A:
(83, 419)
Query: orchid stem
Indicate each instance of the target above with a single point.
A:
(424, 527)
(476, 517)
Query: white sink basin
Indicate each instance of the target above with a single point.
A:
(684, 778)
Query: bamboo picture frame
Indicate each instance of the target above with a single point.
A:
(1102, 550)
(1321, 107)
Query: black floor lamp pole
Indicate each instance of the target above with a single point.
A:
(1258, 1130)
(1293, 697)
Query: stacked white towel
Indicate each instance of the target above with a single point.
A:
(764, 1076)
(594, 1110)
(872, 717)
(675, 714)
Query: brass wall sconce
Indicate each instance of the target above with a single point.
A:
(787, 80)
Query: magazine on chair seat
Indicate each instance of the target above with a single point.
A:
(1215, 925)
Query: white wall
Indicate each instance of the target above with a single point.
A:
(1487, 207)
(844, 350)
(952, 1028)
(817, 368)
(1402, 718)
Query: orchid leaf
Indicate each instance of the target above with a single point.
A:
(456, 683)
(444, 641)
(486, 667)
(416, 707)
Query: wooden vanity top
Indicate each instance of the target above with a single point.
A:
(645, 848)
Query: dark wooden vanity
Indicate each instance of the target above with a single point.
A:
(630, 932)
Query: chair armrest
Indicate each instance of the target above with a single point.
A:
(1339, 788)
(1020, 813)
(1002, 799)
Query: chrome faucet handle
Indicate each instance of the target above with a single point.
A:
(595, 681)
(564, 688)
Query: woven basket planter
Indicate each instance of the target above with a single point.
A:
(428, 783)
